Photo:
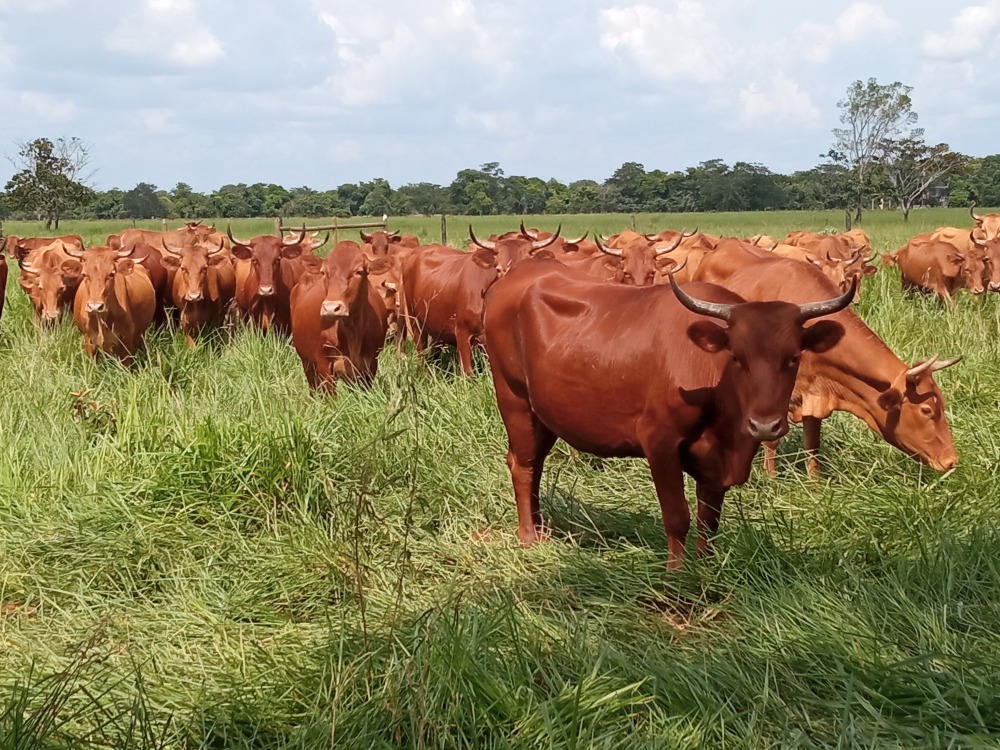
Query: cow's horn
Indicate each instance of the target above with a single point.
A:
(830, 306)
(539, 244)
(700, 306)
(528, 235)
(485, 244)
(325, 240)
(70, 250)
(981, 243)
(222, 244)
(395, 234)
(579, 239)
(914, 373)
(364, 236)
(663, 250)
(168, 248)
(607, 250)
(941, 364)
(974, 215)
(229, 233)
(692, 233)
(126, 251)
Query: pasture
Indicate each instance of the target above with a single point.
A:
(198, 552)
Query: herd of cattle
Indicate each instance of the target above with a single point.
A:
(684, 392)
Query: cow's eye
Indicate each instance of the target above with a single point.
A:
(926, 410)
(793, 361)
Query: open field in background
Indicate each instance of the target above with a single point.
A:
(199, 553)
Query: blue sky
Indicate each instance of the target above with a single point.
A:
(323, 92)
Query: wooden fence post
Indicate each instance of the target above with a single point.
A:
(277, 227)
(336, 238)
(444, 230)
(633, 222)
(164, 224)
(847, 219)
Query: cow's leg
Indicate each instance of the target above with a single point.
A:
(312, 377)
(771, 458)
(464, 344)
(668, 477)
(810, 439)
(528, 443)
(709, 512)
(324, 376)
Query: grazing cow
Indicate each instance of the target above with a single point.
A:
(338, 319)
(900, 403)
(684, 393)
(50, 277)
(938, 267)
(265, 279)
(20, 247)
(114, 304)
(840, 271)
(203, 288)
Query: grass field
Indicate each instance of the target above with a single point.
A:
(197, 553)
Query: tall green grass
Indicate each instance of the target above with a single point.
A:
(198, 552)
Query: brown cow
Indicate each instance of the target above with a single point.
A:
(987, 224)
(380, 241)
(192, 232)
(50, 277)
(938, 267)
(338, 319)
(203, 288)
(264, 281)
(114, 304)
(639, 260)
(20, 247)
(684, 393)
(900, 403)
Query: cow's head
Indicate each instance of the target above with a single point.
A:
(512, 247)
(765, 341)
(987, 224)
(973, 268)
(48, 281)
(914, 415)
(345, 276)
(192, 282)
(265, 253)
(99, 267)
(991, 260)
(380, 241)
(638, 261)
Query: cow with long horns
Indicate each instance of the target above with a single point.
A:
(677, 389)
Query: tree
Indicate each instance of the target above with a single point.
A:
(873, 115)
(911, 167)
(142, 202)
(51, 179)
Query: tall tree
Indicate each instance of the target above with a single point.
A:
(51, 178)
(873, 115)
(911, 167)
(142, 202)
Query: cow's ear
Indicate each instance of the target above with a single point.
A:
(242, 252)
(708, 336)
(822, 336)
(170, 261)
(380, 265)
(125, 266)
(71, 268)
(288, 252)
(868, 271)
(613, 264)
(217, 260)
(484, 258)
(890, 399)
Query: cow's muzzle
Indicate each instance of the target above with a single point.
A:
(266, 291)
(332, 310)
(193, 296)
(767, 429)
(96, 307)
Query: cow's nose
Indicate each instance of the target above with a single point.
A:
(994, 286)
(334, 309)
(266, 291)
(95, 307)
(192, 296)
(767, 429)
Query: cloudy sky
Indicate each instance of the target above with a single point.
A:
(323, 92)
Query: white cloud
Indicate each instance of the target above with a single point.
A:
(780, 100)
(399, 50)
(818, 41)
(681, 45)
(45, 107)
(972, 32)
(168, 30)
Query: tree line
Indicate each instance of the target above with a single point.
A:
(879, 155)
